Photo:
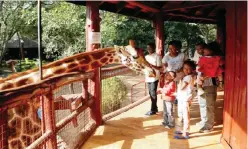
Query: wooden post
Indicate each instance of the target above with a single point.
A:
(3, 129)
(158, 23)
(221, 32)
(93, 43)
(159, 33)
(49, 120)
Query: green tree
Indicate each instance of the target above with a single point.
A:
(10, 22)
(63, 29)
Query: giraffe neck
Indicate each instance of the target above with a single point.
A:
(82, 62)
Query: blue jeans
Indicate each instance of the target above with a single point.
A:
(168, 113)
(207, 106)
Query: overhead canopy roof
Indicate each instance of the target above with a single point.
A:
(183, 11)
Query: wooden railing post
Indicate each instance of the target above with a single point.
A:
(49, 120)
(3, 129)
(93, 43)
(158, 23)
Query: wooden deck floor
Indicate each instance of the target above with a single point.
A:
(134, 130)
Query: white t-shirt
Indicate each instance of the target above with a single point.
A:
(174, 63)
(155, 60)
(196, 57)
(185, 94)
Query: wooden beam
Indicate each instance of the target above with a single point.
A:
(143, 6)
(191, 17)
(191, 5)
(120, 6)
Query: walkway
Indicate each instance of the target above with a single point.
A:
(133, 130)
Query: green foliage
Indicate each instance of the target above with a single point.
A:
(27, 64)
(114, 91)
(10, 22)
(189, 34)
(118, 29)
(63, 29)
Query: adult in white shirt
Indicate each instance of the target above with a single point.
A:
(155, 60)
(173, 60)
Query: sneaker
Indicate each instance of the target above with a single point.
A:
(199, 124)
(168, 127)
(163, 123)
(205, 130)
(150, 113)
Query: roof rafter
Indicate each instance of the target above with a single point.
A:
(186, 6)
(144, 6)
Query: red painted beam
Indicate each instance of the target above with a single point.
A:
(188, 6)
(143, 6)
(93, 25)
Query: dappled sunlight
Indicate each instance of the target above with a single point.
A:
(134, 130)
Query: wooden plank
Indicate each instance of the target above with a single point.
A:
(239, 105)
(134, 130)
(229, 73)
(49, 120)
(143, 6)
(189, 5)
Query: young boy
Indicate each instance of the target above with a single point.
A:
(185, 96)
(168, 97)
(209, 66)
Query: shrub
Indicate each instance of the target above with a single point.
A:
(114, 91)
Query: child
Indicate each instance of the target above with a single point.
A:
(209, 66)
(168, 95)
(185, 96)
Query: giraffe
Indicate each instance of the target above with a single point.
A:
(20, 121)
(24, 126)
(83, 62)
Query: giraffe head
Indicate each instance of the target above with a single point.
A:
(131, 58)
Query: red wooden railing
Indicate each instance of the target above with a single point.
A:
(67, 112)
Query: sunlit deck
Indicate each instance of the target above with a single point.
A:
(134, 130)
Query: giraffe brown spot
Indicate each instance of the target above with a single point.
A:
(15, 144)
(13, 132)
(15, 123)
(95, 64)
(22, 82)
(111, 60)
(109, 54)
(84, 68)
(98, 55)
(7, 85)
(22, 110)
(27, 140)
(29, 128)
(104, 60)
(59, 70)
(116, 60)
(71, 65)
(85, 60)
(69, 61)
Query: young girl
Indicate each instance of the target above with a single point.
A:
(185, 96)
(168, 97)
(209, 66)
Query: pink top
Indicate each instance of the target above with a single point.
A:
(169, 89)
